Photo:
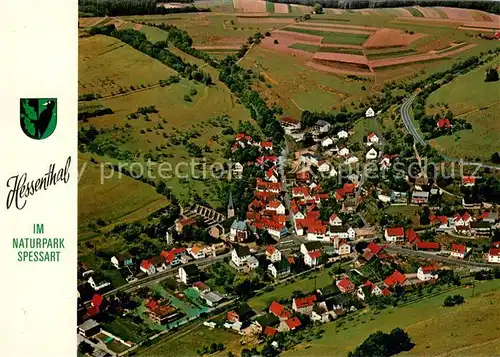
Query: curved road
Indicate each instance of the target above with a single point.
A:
(405, 115)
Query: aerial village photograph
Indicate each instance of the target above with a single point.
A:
(288, 178)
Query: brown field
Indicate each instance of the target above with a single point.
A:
(331, 29)
(90, 21)
(429, 22)
(285, 41)
(249, 6)
(348, 27)
(428, 12)
(457, 14)
(222, 47)
(281, 8)
(264, 20)
(341, 57)
(483, 24)
(417, 58)
(390, 38)
(341, 69)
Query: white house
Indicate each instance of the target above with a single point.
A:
(494, 255)
(97, 283)
(147, 267)
(333, 172)
(427, 273)
(237, 169)
(311, 259)
(343, 151)
(344, 248)
(279, 268)
(351, 159)
(335, 220)
(372, 138)
(273, 254)
(342, 232)
(368, 288)
(370, 113)
(326, 142)
(396, 234)
(276, 206)
(239, 255)
(371, 154)
(459, 251)
(342, 134)
(323, 126)
(271, 175)
(324, 166)
(189, 274)
(384, 197)
(197, 252)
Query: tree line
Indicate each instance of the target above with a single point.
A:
(489, 6)
(92, 8)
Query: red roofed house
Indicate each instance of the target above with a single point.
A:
(96, 300)
(345, 285)
(304, 305)
(368, 288)
(494, 255)
(270, 331)
(335, 220)
(273, 254)
(277, 206)
(440, 221)
(395, 234)
(279, 310)
(372, 138)
(459, 251)
(147, 267)
(468, 181)
(271, 175)
(411, 236)
(290, 324)
(396, 278)
(426, 273)
(427, 245)
(268, 145)
(373, 250)
(443, 124)
(312, 259)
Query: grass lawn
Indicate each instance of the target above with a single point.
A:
(467, 92)
(333, 37)
(480, 142)
(117, 200)
(106, 64)
(185, 344)
(411, 212)
(285, 290)
(124, 329)
(433, 328)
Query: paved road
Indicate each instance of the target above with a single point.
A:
(433, 256)
(405, 115)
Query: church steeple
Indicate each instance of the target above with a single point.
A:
(230, 206)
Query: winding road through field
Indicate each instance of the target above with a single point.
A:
(405, 115)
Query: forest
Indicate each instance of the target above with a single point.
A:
(91, 8)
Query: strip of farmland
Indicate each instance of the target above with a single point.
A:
(332, 37)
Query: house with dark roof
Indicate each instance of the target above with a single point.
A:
(239, 231)
(266, 320)
(189, 274)
(279, 269)
(241, 314)
(122, 260)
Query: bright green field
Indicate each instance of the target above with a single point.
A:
(285, 290)
(480, 142)
(333, 37)
(435, 330)
(467, 92)
(116, 200)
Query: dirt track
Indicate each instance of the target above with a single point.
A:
(337, 70)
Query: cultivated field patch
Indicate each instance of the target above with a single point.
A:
(391, 38)
(332, 37)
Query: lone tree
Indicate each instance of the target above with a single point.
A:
(495, 157)
(318, 9)
(491, 75)
(383, 344)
